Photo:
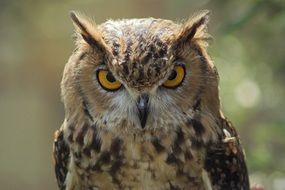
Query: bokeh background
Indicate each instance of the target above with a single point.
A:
(36, 41)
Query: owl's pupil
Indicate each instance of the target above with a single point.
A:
(110, 77)
(172, 75)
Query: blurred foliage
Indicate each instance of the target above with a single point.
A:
(36, 42)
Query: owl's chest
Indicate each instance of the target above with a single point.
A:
(163, 162)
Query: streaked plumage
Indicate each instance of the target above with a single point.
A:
(143, 111)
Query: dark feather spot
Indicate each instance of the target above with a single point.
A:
(97, 167)
(87, 152)
(70, 138)
(161, 52)
(146, 58)
(173, 187)
(204, 62)
(197, 126)
(115, 147)
(188, 155)
(96, 143)
(171, 159)
(157, 145)
(197, 105)
(81, 134)
(116, 166)
(92, 42)
(116, 48)
(180, 136)
(197, 143)
(125, 69)
(105, 157)
(77, 155)
(82, 56)
(77, 163)
(141, 74)
(178, 140)
(85, 108)
(157, 69)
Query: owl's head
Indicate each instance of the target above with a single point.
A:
(140, 74)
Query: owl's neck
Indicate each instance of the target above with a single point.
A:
(202, 126)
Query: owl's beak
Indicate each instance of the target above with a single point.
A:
(142, 105)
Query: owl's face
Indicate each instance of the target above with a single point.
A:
(140, 74)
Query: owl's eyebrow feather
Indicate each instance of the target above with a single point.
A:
(88, 32)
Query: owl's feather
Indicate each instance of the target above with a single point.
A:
(225, 161)
(61, 156)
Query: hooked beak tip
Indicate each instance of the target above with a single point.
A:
(142, 105)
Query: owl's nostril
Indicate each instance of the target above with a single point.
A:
(142, 100)
(142, 105)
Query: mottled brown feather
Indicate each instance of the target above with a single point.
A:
(225, 161)
(61, 158)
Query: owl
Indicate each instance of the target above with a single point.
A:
(142, 110)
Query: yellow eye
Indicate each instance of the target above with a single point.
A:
(176, 77)
(107, 80)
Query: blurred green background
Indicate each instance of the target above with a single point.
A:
(35, 43)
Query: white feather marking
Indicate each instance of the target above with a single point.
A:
(206, 180)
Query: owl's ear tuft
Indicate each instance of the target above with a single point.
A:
(194, 28)
(87, 29)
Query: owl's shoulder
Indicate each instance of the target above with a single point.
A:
(225, 160)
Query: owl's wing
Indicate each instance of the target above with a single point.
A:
(61, 158)
(225, 161)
